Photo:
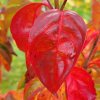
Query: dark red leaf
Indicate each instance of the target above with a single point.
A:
(22, 23)
(79, 85)
(55, 42)
(29, 74)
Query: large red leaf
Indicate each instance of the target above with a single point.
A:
(79, 85)
(22, 23)
(55, 42)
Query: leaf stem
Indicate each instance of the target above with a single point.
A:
(63, 5)
(50, 4)
(90, 54)
(56, 4)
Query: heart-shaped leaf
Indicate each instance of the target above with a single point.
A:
(22, 23)
(79, 85)
(55, 42)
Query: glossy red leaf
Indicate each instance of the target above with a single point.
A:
(79, 85)
(22, 23)
(55, 43)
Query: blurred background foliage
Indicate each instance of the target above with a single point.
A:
(10, 79)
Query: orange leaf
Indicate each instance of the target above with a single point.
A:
(34, 90)
(96, 14)
(13, 95)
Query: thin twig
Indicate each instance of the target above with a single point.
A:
(50, 4)
(56, 4)
(63, 5)
(92, 50)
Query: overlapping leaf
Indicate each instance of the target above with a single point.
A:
(79, 85)
(22, 23)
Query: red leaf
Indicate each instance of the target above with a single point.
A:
(90, 36)
(22, 23)
(79, 85)
(55, 43)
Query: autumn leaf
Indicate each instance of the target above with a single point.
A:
(21, 24)
(79, 85)
(96, 14)
(54, 46)
(5, 56)
(34, 90)
(94, 62)
(90, 36)
(12, 95)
